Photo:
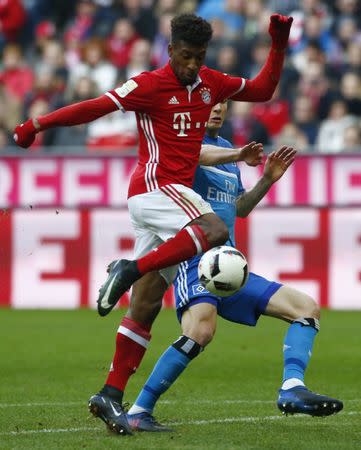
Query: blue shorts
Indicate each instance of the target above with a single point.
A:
(245, 306)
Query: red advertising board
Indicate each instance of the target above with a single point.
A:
(56, 258)
(99, 181)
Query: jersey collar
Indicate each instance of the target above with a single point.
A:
(198, 81)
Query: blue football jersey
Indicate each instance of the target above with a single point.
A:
(220, 185)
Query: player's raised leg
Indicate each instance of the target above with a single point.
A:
(170, 209)
(304, 314)
(133, 336)
(198, 328)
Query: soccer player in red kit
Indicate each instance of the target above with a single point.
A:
(172, 223)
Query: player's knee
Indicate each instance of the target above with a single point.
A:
(214, 228)
(205, 333)
(219, 234)
(307, 307)
(205, 338)
(201, 332)
(311, 308)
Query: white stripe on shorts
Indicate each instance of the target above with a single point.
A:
(182, 284)
(180, 202)
(184, 199)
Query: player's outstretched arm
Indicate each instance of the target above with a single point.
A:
(212, 155)
(276, 165)
(76, 114)
(262, 87)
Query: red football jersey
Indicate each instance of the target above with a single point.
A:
(171, 121)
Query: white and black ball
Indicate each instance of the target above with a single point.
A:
(223, 270)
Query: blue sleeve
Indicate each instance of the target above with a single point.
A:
(224, 143)
(241, 189)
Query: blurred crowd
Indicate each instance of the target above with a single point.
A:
(55, 52)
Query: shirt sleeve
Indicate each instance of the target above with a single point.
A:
(136, 94)
(227, 86)
(78, 113)
(241, 188)
(262, 87)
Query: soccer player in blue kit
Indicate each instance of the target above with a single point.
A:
(197, 309)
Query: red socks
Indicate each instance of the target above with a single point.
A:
(187, 243)
(131, 344)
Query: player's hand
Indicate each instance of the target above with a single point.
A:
(251, 154)
(279, 29)
(24, 134)
(278, 162)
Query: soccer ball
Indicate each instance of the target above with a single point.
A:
(223, 270)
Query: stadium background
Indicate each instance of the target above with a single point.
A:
(63, 202)
(63, 217)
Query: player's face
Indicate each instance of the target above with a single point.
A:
(186, 60)
(217, 116)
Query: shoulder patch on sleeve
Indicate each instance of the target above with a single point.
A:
(126, 89)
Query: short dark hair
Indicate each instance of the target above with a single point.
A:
(191, 29)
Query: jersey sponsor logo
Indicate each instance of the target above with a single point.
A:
(230, 187)
(198, 289)
(173, 101)
(219, 196)
(126, 89)
(182, 122)
(206, 95)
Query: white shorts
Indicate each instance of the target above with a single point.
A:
(158, 216)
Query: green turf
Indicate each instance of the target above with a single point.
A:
(51, 362)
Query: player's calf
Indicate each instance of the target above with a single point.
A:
(168, 368)
(146, 299)
(297, 350)
(294, 397)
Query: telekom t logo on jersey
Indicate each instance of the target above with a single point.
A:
(182, 122)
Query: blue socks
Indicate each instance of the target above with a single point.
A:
(297, 349)
(298, 346)
(168, 368)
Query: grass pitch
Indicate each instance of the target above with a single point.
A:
(52, 361)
